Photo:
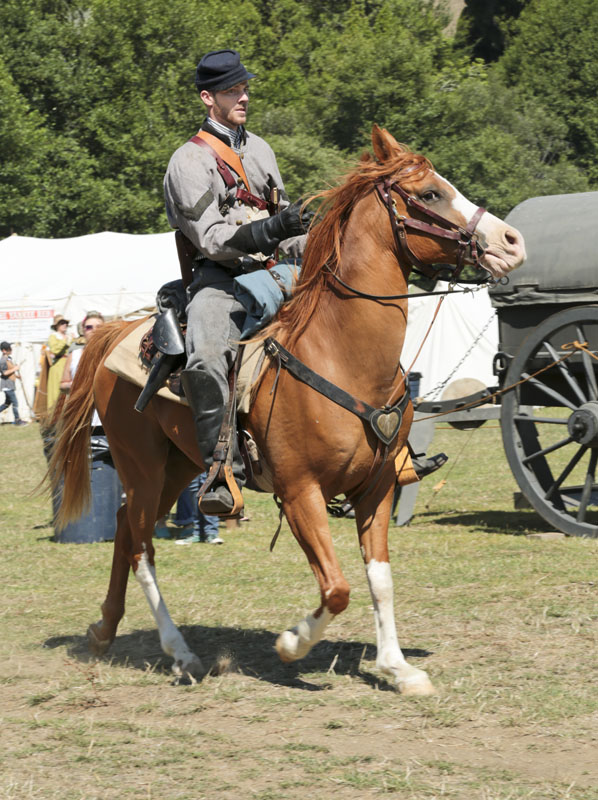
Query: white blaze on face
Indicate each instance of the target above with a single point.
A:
(504, 248)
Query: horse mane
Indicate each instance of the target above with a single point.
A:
(325, 237)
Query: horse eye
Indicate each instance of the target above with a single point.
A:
(429, 196)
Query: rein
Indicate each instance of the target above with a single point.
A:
(407, 296)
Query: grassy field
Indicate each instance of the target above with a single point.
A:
(506, 626)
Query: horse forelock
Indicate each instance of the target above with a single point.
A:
(325, 237)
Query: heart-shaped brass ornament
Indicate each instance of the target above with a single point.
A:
(386, 423)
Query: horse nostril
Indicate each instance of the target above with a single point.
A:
(514, 242)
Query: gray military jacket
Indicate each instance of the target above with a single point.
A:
(199, 203)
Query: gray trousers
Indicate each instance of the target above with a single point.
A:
(214, 322)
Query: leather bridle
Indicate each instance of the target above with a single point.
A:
(469, 250)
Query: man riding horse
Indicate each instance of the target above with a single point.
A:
(224, 192)
(217, 219)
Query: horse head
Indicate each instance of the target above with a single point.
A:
(425, 204)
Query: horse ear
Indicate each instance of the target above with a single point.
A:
(384, 144)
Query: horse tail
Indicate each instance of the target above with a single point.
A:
(68, 471)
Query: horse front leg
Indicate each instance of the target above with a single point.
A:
(306, 515)
(372, 525)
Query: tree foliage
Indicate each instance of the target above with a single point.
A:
(96, 94)
(484, 25)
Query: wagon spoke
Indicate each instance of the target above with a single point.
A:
(565, 372)
(586, 493)
(562, 401)
(559, 478)
(568, 469)
(588, 365)
(547, 450)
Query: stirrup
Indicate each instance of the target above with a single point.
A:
(426, 466)
(220, 494)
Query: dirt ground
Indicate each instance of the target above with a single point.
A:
(76, 728)
(505, 625)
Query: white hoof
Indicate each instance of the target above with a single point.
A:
(288, 646)
(188, 672)
(410, 681)
(416, 685)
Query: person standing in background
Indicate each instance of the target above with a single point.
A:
(91, 322)
(57, 347)
(9, 372)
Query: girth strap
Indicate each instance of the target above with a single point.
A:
(385, 421)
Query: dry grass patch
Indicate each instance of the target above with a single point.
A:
(505, 625)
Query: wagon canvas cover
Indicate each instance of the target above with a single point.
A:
(561, 239)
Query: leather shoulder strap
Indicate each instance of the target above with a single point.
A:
(227, 154)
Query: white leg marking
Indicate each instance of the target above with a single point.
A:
(390, 659)
(298, 641)
(186, 664)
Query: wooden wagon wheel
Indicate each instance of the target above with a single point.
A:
(550, 423)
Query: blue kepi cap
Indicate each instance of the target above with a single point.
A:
(220, 69)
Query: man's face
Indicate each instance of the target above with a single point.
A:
(228, 106)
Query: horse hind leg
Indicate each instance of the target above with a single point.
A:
(133, 547)
(187, 666)
(308, 521)
(100, 635)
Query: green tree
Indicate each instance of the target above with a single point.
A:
(96, 94)
(483, 26)
(553, 57)
(22, 144)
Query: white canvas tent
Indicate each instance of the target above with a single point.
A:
(460, 344)
(118, 274)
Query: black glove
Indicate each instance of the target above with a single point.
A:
(264, 235)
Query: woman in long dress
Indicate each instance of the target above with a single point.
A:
(57, 345)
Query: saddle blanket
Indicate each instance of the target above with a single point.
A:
(124, 361)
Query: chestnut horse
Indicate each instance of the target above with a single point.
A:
(315, 448)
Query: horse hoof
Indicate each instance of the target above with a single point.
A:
(188, 673)
(287, 646)
(417, 687)
(97, 646)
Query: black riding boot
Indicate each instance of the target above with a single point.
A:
(207, 404)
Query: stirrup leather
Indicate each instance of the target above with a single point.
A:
(221, 471)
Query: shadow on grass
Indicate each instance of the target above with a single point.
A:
(513, 523)
(251, 651)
